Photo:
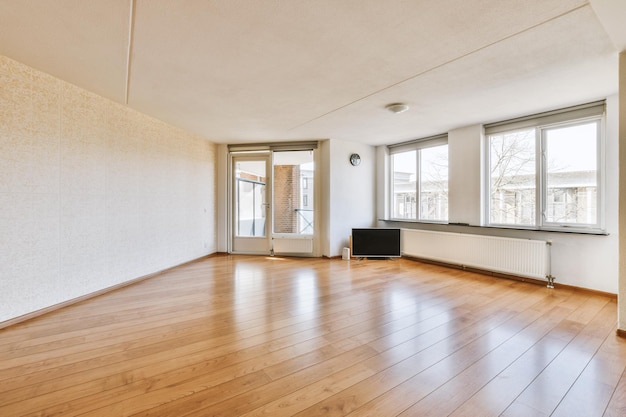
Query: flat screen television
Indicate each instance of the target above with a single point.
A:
(376, 243)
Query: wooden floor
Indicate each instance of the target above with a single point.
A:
(251, 336)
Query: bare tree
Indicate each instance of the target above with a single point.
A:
(435, 185)
(512, 176)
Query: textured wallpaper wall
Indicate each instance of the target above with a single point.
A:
(92, 193)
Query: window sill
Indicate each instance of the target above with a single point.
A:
(566, 230)
(414, 221)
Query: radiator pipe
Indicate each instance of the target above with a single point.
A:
(549, 277)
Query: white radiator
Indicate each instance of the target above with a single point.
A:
(295, 245)
(520, 257)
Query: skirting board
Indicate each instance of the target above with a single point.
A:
(32, 315)
(513, 277)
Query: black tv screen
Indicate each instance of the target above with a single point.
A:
(376, 243)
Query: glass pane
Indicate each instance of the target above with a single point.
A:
(250, 178)
(404, 185)
(434, 183)
(293, 192)
(572, 174)
(512, 178)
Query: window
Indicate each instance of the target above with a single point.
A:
(419, 172)
(544, 172)
(512, 177)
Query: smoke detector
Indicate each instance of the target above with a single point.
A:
(397, 107)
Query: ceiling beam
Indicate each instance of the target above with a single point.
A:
(129, 51)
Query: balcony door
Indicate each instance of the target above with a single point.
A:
(251, 208)
(293, 214)
(272, 204)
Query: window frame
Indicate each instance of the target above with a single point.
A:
(541, 124)
(414, 145)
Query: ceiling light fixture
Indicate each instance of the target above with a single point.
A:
(397, 107)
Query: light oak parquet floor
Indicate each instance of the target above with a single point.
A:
(257, 336)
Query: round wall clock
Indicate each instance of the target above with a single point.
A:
(355, 159)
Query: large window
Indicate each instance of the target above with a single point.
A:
(545, 172)
(419, 172)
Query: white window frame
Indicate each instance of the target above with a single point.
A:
(414, 145)
(541, 123)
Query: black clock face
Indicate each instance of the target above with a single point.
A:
(355, 159)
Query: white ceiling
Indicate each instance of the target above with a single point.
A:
(253, 70)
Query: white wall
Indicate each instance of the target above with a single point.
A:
(622, 187)
(92, 194)
(464, 156)
(222, 197)
(351, 192)
(383, 176)
(323, 202)
(587, 261)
